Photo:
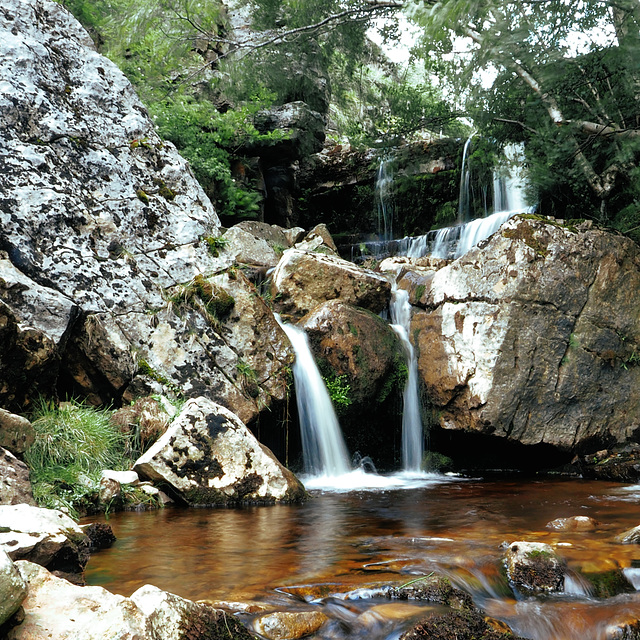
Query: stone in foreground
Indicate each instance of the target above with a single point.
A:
(534, 567)
(208, 456)
(13, 588)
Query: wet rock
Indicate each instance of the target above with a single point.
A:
(16, 432)
(607, 584)
(533, 336)
(208, 456)
(631, 536)
(436, 589)
(358, 344)
(534, 567)
(303, 279)
(288, 625)
(109, 491)
(574, 523)
(100, 535)
(15, 487)
(626, 628)
(458, 625)
(13, 589)
(45, 536)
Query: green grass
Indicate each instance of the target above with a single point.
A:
(73, 444)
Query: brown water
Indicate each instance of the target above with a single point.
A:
(339, 549)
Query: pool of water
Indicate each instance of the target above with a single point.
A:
(339, 551)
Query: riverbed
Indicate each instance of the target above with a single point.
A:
(341, 550)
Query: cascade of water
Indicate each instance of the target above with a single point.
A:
(323, 447)
(384, 201)
(412, 434)
(464, 199)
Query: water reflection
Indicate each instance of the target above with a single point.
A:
(340, 550)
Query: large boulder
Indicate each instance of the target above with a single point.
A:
(15, 487)
(534, 567)
(360, 355)
(304, 279)
(103, 228)
(13, 588)
(45, 536)
(208, 456)
(534, 336)
(92, 613)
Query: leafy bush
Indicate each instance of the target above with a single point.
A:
(209, 139)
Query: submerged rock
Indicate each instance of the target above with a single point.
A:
(534, 336)
(289, 625)
(303, 279)
(534, 567)
(208, 456)
(574, 523)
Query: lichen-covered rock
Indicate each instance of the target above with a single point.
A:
(45, 536)
(208, 456)
(534, 336)
(534, 567)
(16, 432)
(103, 228)
(169, 616)
(318, 239)
(55, 608)
(13, 588)
(303, 279)
(289, 625)
(15, 487)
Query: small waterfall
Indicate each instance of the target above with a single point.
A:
(323, 447)
(384, 200)
(412, 434)
(464, 198)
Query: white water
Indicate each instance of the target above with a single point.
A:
(412, 433)
(323, 448)
(384, 201)
(464, 198)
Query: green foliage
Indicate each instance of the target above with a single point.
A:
(73, 445)
(437, 462)
(209, 140)
(215, 244)
(207, 297)
(339, 391)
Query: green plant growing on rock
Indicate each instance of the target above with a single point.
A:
(339, 391)
(207, 297)
(215, 244)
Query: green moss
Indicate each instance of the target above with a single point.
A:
(353, 329)
(215, 244)
(205, 296)
(164, 190)
(339, 391)
(569, 225)
(142, 196)
(526, 233)
(420, 289)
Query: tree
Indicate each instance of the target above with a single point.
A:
(567, 83)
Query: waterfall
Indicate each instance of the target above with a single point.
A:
(384, 201)
(464, 198)
(323, 447)
(412, 434)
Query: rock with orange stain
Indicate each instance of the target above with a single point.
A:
(574, 523)
(289, 625)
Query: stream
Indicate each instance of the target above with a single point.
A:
(341, 549)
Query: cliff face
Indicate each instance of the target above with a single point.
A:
(103, 232)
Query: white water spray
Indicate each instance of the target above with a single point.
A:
(323, 447)
(412, 434)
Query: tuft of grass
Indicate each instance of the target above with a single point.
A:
(73, 444)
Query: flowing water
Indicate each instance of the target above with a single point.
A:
(412, 433)
(339, 551)
(323, 448)
(384, 200)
